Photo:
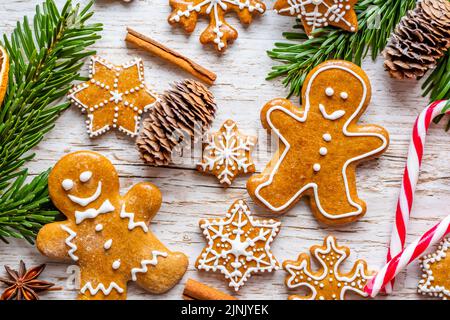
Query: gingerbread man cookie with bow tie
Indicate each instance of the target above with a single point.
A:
(105, 233)
(320, 145)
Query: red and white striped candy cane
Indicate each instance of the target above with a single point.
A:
(408, 255)
(409, 184)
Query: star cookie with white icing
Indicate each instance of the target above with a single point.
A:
(114, 97)
(328, 282)
(316, 14)
(227, 153)
(105, 233)
(435, 280)
(320, 145)
(219, 32)
(238, 245)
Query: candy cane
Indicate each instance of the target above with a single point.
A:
(408, 187)
(408, 255)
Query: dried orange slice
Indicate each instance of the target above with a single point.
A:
(4, 70)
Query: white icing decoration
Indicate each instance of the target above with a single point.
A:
(315, 19)
(68, 242)
(344, 95)
(85, 201)
(316, 167)
(344, 169)
(425, 286)
(327, 137)
(228, 153)
(85, 176)
(145, 263)
(334, 116)
(67, 184)
(349, 283)
(131, 223)
(240, 248)
(329, 92)
(107, 245)
(323, 151)
(213, 5)
(101, 287)
(92, 213)
(99, 227)
(116, 96)
(116, 264)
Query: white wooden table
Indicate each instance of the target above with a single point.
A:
(241, 90)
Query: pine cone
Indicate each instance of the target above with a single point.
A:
(421, 38)
(180, 116)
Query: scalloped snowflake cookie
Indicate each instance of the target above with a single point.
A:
(238, 245)
(227, 153)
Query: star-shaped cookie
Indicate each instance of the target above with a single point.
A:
(227, 153)
(114, 97)
(238, 245)
(316, 14)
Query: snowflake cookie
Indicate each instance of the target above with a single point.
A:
(435, 268)
(219, 32)
(227, 153)
(327, 283)
(106, 234)
(238, 245)
(316, 14)
(320, 146)
(114, 97)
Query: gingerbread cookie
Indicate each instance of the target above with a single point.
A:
(321, 145)
(435, 268)
(328, 282)
(238, 245)
(219, 32)
(316, 14)
(105, 233)
(227, 153)
(114, 97)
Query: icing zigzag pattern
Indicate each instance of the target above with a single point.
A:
(144, 263)
(101, 287)
(131, 223)
(69, 242)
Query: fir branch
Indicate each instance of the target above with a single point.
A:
(45, 59)
(330, 43)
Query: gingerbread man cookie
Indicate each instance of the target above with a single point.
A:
(328, 282)
(227, 153)
(316, 14)
(320, 145)
(114, 97)
(106, 234)
(219, 32)
(436, 267)
(238, 245)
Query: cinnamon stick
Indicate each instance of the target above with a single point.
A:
(170, 55)
(195, 290)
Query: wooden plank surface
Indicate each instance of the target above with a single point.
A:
(241, 90)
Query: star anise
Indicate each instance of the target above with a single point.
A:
(23, 284)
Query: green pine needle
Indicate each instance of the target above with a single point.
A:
(376, 18)
(45, 58)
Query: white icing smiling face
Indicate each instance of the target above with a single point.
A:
(336, 95)
(81, 182)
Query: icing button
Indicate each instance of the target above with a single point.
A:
(316, 167)
(323, 151)
(327, 137)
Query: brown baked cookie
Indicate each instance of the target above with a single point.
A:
(316, 14)
(435, 277)
(106, 234)
(114, 97)
(227, 153)
(328, 282)
(219, 32)
(320, 145)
